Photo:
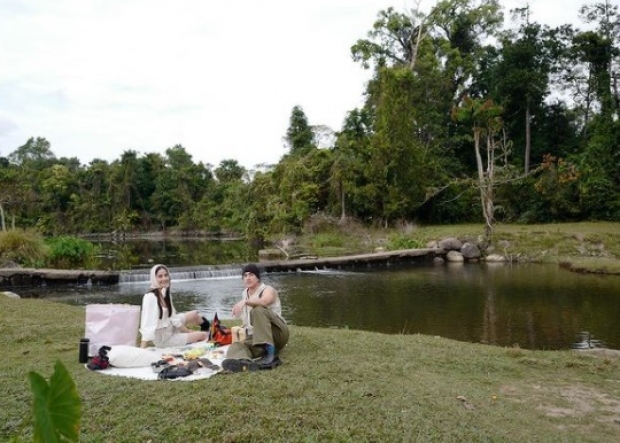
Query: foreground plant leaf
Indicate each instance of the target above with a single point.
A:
(56, 407)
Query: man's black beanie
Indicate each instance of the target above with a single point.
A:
(251, 268)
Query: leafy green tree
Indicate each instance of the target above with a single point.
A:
(598, 53)
(399, 170)
(423, 63)
(229, 171)
(222, 207)
(36, 152)
(178, 187)
(9, 193)
(351, 154)
(299, 136)
(29, 160)
(389, 42)
(57, 184)
(124, 189)
(523, 80)
(90, 209)
(302, 187)
(263, 208)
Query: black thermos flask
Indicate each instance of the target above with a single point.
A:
(84, 350)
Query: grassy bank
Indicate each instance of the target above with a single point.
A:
(335, 386)
(581, 247)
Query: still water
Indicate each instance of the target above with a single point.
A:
(532, 306)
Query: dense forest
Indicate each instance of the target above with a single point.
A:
(465, 119)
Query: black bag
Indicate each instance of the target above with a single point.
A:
(173, 372)
(100, 361)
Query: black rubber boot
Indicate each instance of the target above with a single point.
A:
(269, 358)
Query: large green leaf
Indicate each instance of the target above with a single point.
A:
(56, 406)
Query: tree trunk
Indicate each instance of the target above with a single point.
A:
(343, 214)
(485, 197)
(2, 224)
(528, 137)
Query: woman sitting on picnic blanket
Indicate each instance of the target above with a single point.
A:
(267, 332)
(159, 321)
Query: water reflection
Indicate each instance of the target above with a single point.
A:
(531, 306)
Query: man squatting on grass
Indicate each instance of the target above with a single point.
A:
(267, 332)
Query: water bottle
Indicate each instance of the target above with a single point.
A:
(84, 350)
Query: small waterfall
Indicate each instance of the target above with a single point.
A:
(585, 341)
(185, 273)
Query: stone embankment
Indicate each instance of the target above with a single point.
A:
(14, 277)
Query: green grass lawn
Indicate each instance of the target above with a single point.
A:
(335, 385)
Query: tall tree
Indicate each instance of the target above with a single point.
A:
(124, 189)
(351, 155)
(299, 135)
(522, 76)
(599, 52)
(36, 152)
(229, 171)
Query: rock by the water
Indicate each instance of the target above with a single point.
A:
(495, 258)
(455, 257)
(451, 244)
(470, 251)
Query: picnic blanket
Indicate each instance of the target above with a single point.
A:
(202, 350)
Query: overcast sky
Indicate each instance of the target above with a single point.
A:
(220, 77)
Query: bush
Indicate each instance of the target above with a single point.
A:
(402, 241)
(71, 252)
(327, 240)
(25, 248)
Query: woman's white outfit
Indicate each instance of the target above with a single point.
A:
(164, 332)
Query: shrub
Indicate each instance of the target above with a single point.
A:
(71, 252)
(327, 240)
(26, 248)
(401, 241)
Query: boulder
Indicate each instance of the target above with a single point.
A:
(451, 244)
(470, 251)
(455, 257)
(495, 258)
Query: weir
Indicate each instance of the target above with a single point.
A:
(184, 273)
(384, 258)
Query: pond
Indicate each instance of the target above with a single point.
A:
(528, 305)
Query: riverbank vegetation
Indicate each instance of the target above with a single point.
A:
(592, 247)
(335, 385)
(464, 120)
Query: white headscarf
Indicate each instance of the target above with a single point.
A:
(154, 269)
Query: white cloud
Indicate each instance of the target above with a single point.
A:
(99, 77)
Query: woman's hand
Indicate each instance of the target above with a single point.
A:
(236, 310)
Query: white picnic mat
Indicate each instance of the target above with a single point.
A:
(215, 355)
